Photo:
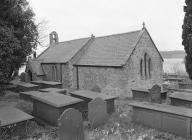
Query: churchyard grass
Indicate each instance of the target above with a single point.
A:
(118, 127)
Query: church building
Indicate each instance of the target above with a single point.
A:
(112, 64)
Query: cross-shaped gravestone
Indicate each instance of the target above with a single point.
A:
(97, 112)
(71, 125)
(155, 94)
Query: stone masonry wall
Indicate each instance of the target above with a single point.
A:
(145, 45)
(48, 70)
(101, 77)
(119, 81)
(63, 74)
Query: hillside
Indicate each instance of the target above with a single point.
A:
(173, 54)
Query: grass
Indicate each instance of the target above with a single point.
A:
(118, 127)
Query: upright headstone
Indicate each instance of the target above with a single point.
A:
(155, 94)
(0, 129)
(71, 125)
(23, 76)
(97, 112)
(96, 89)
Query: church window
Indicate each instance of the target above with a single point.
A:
(145, 64)
(141, 68)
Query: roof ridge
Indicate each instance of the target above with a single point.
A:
(73, 40)
(49, 46)
(118, 34)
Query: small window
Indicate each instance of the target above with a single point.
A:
(145, 61)
(149, 64)
(54, 73)
(141, 68)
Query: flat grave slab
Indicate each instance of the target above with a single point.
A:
(56, 90)
(163, 117)
(175, 79)
(10, 116)
(181, 99)
(47, 84)
(22, 86)
(50, 106)
(185, 85)
(28, 94)
(181, 90)
(143, 94)
(87, 96)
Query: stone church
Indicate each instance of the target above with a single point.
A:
(112, 64)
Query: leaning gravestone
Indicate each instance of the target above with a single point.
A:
(97, 112)
(71, 125)
(155, 94)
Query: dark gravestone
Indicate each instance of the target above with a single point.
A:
(155, 94)
(96, 89)
(97, 112)
(0, 129)
(71, 125)
(22, 76)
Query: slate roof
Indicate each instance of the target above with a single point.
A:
(35, 66)
(62, 52)
(112, 50)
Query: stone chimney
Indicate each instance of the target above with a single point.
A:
(53, 36)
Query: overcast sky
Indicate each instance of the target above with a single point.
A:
(73, 19)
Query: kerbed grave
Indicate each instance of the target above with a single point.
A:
(181, 99)
(177, 120)
(50, 106)
(143, 94)
(87, 96)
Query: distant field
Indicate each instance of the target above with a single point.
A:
(173, 54)
(174, 65)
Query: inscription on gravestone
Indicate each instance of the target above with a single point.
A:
(155, 94)
(71, 125)
(97, 112)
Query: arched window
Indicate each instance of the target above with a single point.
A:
(145, 63)
(53, 73)
(149, 65)
(141, 68)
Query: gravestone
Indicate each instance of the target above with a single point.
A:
(71, 125)
(97, 112)
(25, 77)
(155, 94)
(96, 89)
(22, 76)
(0, 129)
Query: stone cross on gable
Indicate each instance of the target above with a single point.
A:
(143, 24)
